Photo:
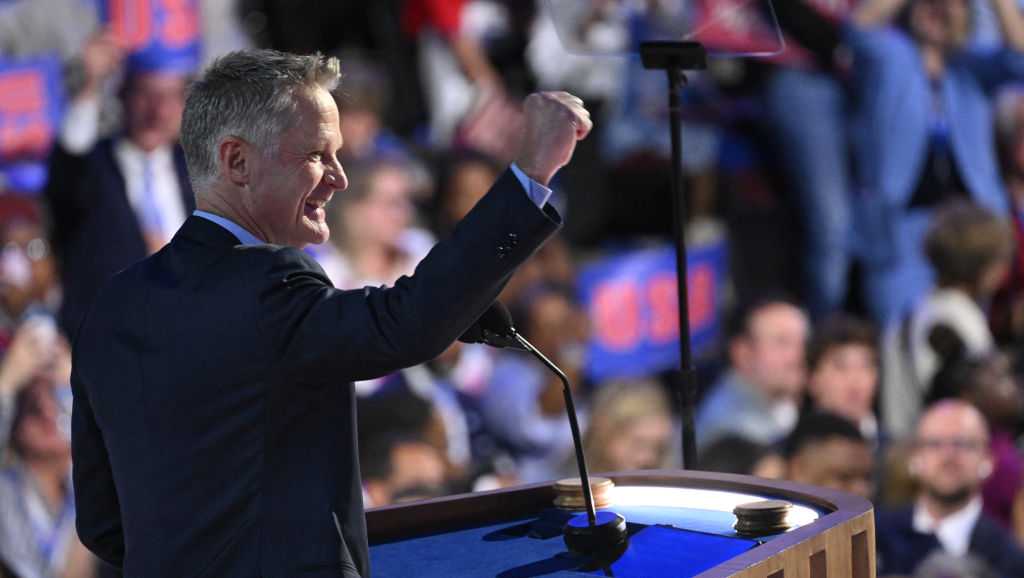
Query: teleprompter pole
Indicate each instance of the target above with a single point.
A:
(675, 58)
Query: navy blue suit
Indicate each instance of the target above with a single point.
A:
(901, 548)
(95, 230)
(214, 426)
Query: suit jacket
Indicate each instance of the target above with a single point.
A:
(214, 418)
(901, 548)
(95, 230)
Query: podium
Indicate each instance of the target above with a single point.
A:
(681, 524)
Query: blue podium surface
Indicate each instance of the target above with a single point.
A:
(677, 526)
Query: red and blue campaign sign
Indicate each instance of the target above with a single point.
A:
(158, 34)
(631, 301)
(30, 108)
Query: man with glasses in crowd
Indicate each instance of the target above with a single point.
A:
(950, 462)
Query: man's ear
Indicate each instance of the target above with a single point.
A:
(234, 157)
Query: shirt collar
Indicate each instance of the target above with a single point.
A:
(954, 531)
(243, 236)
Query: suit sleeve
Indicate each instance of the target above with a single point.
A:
(97, 510)
(362, 334)
(64, 194)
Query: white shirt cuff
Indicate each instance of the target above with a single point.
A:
(537, 192)
(81, 126)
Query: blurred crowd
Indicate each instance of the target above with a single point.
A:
(866, 186)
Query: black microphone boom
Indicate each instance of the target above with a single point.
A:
(598, 536)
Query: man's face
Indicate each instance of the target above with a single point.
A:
(836, 462)
(153, 103)
(951, 455)
(771, 355)
(289, 187)
(941, 23)
(845, 380)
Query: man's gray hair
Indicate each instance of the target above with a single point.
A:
(248, 94)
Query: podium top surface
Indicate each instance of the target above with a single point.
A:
(680, 524)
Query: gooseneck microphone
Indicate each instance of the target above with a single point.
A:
(599, 532)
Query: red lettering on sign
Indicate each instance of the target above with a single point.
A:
(132, 22)
(181, 23)
(616, 315)
(661, 292)
(24, 93)
(701, 298)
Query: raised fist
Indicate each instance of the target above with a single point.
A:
(554, 122)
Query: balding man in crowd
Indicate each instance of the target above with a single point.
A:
(950, 461)
(214, 425)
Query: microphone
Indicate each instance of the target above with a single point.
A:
(592, 533)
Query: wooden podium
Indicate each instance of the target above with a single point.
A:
(496, 533)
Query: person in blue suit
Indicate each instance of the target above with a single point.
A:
(213, 431)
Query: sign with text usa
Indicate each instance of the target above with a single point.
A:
(631, 301)
(158, 34)
(30, 108)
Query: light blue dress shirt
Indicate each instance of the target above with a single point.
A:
(537, 192)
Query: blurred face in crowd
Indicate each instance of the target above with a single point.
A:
(837, 462)
(944, 24)
(771, 353)
(951, 457)
(555, 324)
(287, 189)
(640, 445)
(360, 125)
(845, 380)
(27, 271)
(37, 434)
(417, 472)
(154, 102)
(384, 212)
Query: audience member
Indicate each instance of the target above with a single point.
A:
(950, 461)
(115, 200)
(842, 365)
(759, 396)
(28, 276)
(630, 428)
(37, 511)
(733, 454)
(969, 249)
(400, 469)
(922, 131)
(374, 241)
(988, 383)
(829, 450)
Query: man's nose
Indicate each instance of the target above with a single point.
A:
(337, 178)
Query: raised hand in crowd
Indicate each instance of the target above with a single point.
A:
(31, 352)
(102, 56)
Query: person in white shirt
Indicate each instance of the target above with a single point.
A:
(115, 200)
(950, 461)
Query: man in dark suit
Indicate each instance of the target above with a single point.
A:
(115, 200)
(213, 428)
(950, 461)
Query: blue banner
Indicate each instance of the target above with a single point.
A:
(30, 108)
(160, 35)
(631, 301)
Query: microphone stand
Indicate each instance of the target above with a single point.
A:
(570, 409)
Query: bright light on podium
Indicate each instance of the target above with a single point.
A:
(726, 28)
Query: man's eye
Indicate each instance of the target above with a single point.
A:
(315, 156)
